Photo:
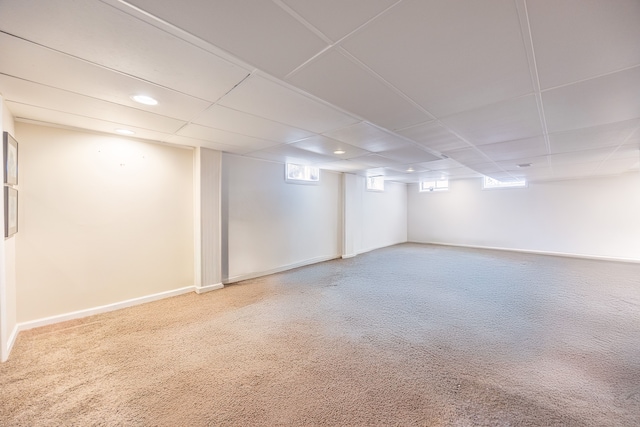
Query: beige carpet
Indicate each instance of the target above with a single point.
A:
(407, 335)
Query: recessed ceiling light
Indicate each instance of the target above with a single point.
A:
(524, 165)
(339, 152)
(144, 99)
(125, 132)
(410, 170)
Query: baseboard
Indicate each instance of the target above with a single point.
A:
(101, 309)
(536, 252)
(346, 256)
(375, 248)
(306, 262)
(208, 288)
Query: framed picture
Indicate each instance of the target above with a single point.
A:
(10, 211)
(10, 150)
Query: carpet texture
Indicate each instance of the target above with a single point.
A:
(407, 335)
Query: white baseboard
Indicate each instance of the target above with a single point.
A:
(10, 342)
(345, 256)
(536, 252)
(310, 261)
(208, 288)
(101, 309)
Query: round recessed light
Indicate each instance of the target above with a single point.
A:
(144, 99)
(125, 132)
(339, 152)
(410, 170)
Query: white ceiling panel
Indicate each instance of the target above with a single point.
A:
(618, 166)
(265, 98)
(243, 142)
(574, 41)
(38, 64)
(468, 156)
(504, 121)
(288, 154)
(337, 18)
(336, 79)
(104, 35)
(509, 150)
(368, 137)
(29, 113)
(342, 166)
(443, 164)
(434, 136)
(608, 99)
(239, 27)
(612, 134)
(219, 117)
(442, 53)
(409, 154)
(586, 156)
(327, 146)
(25, 92)
(376, 161)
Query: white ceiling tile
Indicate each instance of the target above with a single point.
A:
(509, 150)
(443, 164)
(467, 156)
(579, 157)
(368, 137)
(270, 100)
(25, 92)
(574, 40)
(219, 117)
(337, 18)
(409, 154)
(244, 142)
(376, 161)
(618, 166)
(342, 166)
(289, 154)
(327, 146)
(29, 113)
(608, 99)
(104, 35)
(612, 134)
(443, 54)
(434, 136)
(41, 65)
(258, 32)
(504, 121)
(341, 82)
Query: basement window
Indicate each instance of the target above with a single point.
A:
(491, 183)
(438, 185)
(375, 183)
(302, 174)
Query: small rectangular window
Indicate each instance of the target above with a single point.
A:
(437, 185)
(489, 183)
(302, 173)
(375, 183)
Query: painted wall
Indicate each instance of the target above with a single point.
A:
(8, 316)
(270, 225)
(102, 220)
(384, 216)
(589, 217)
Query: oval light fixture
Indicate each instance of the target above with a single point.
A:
(125, 132)
(339, 152)
(144, 99)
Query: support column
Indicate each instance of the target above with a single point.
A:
(352, 215)
(207, 220)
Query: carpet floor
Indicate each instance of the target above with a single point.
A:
(410, 335)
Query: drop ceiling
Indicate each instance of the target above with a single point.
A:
(408, 89)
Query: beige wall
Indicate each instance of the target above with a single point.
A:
(102, 220)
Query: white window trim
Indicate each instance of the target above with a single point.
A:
(302, 181)
(378, 177)
(504, 185)
(434, 188)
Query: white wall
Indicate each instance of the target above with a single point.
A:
(271, 225)
(597, 217)
(102, 220)
(384, 216)
(8, 316)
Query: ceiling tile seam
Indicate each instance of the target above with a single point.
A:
(175, 31)
(91, 117)
(331, 43)
(527, 41)
(594, 77)
(624, 141)
(131, 76)
(295, 15)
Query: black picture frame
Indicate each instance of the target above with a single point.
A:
(10, 211)
(10, 154)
